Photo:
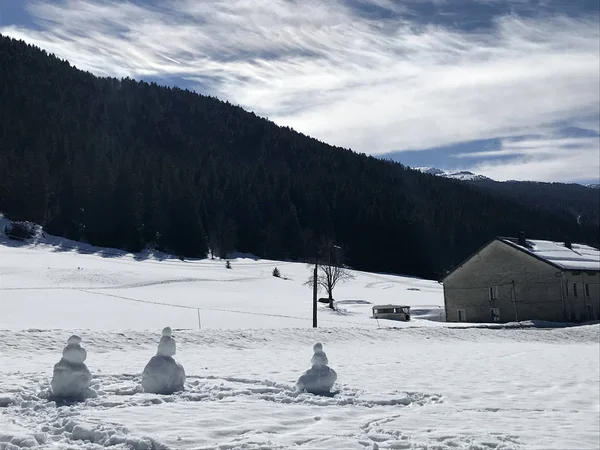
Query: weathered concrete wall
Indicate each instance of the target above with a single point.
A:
(535, 285)
(586, 305)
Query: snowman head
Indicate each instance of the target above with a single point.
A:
(74, 340)
(74, 352)
(318, 347)
(167, 345)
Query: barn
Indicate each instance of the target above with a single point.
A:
(516, 279)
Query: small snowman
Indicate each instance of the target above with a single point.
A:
(71, 378)
(319, 357)
(319, 379)
(162, 374)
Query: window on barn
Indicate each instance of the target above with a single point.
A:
(566, 288)
(493, 293)
(587, 289)
(495, 313)
(462, 315)
(574, 289)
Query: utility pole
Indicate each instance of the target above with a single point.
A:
(514, 297)
(315, 275)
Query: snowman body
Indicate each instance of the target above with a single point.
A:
(320, 378)
(71, 378)
(162, 374)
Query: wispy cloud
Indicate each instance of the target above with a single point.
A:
(340, 72)
(537, 147)
(542, 159)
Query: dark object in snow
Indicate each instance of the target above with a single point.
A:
(20, 231)
(276, 273)
(325, 300)
(326, 393)
(319, 379)
(392, 312)
(162, 374)
(228, 265)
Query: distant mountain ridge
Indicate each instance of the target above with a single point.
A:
(581, 201)
(462, 175)
(465, 175)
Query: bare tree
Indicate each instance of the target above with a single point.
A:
(331, 270)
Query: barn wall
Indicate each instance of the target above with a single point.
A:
(586, 304)
(536, 286)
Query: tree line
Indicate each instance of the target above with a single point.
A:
(129, 164)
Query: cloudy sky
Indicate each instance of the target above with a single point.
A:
(505, 88)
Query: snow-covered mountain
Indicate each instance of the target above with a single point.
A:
(462, 175)
(465, 175)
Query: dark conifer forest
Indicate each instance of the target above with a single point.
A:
(127, 164)
(581, 202)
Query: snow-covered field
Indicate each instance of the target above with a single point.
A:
(417, 385)
(61, 284)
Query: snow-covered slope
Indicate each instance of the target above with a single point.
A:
(57, 283)
(462, 175)
(412, 386)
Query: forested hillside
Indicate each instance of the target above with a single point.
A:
(580, 201)
(129, 164)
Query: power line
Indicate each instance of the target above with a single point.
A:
(151, 302)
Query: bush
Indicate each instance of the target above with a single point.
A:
(20, 231)
(276, 272)
(228, 265)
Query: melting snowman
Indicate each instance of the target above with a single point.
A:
(71, 378)
(162, 374)
(319, 379)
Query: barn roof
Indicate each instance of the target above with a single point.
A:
(557, 254)
(578, 257)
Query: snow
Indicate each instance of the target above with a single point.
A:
(430, 170)
(465, 175)
(71, 377)
(320, 378)
(578, 257)
(162, 374)
(413, 388)
(462, 175)
(423, 384)
(55, 283)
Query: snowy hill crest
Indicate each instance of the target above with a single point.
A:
(462, 175)
(465, 175)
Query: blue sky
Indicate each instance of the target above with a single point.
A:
(505, 88)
